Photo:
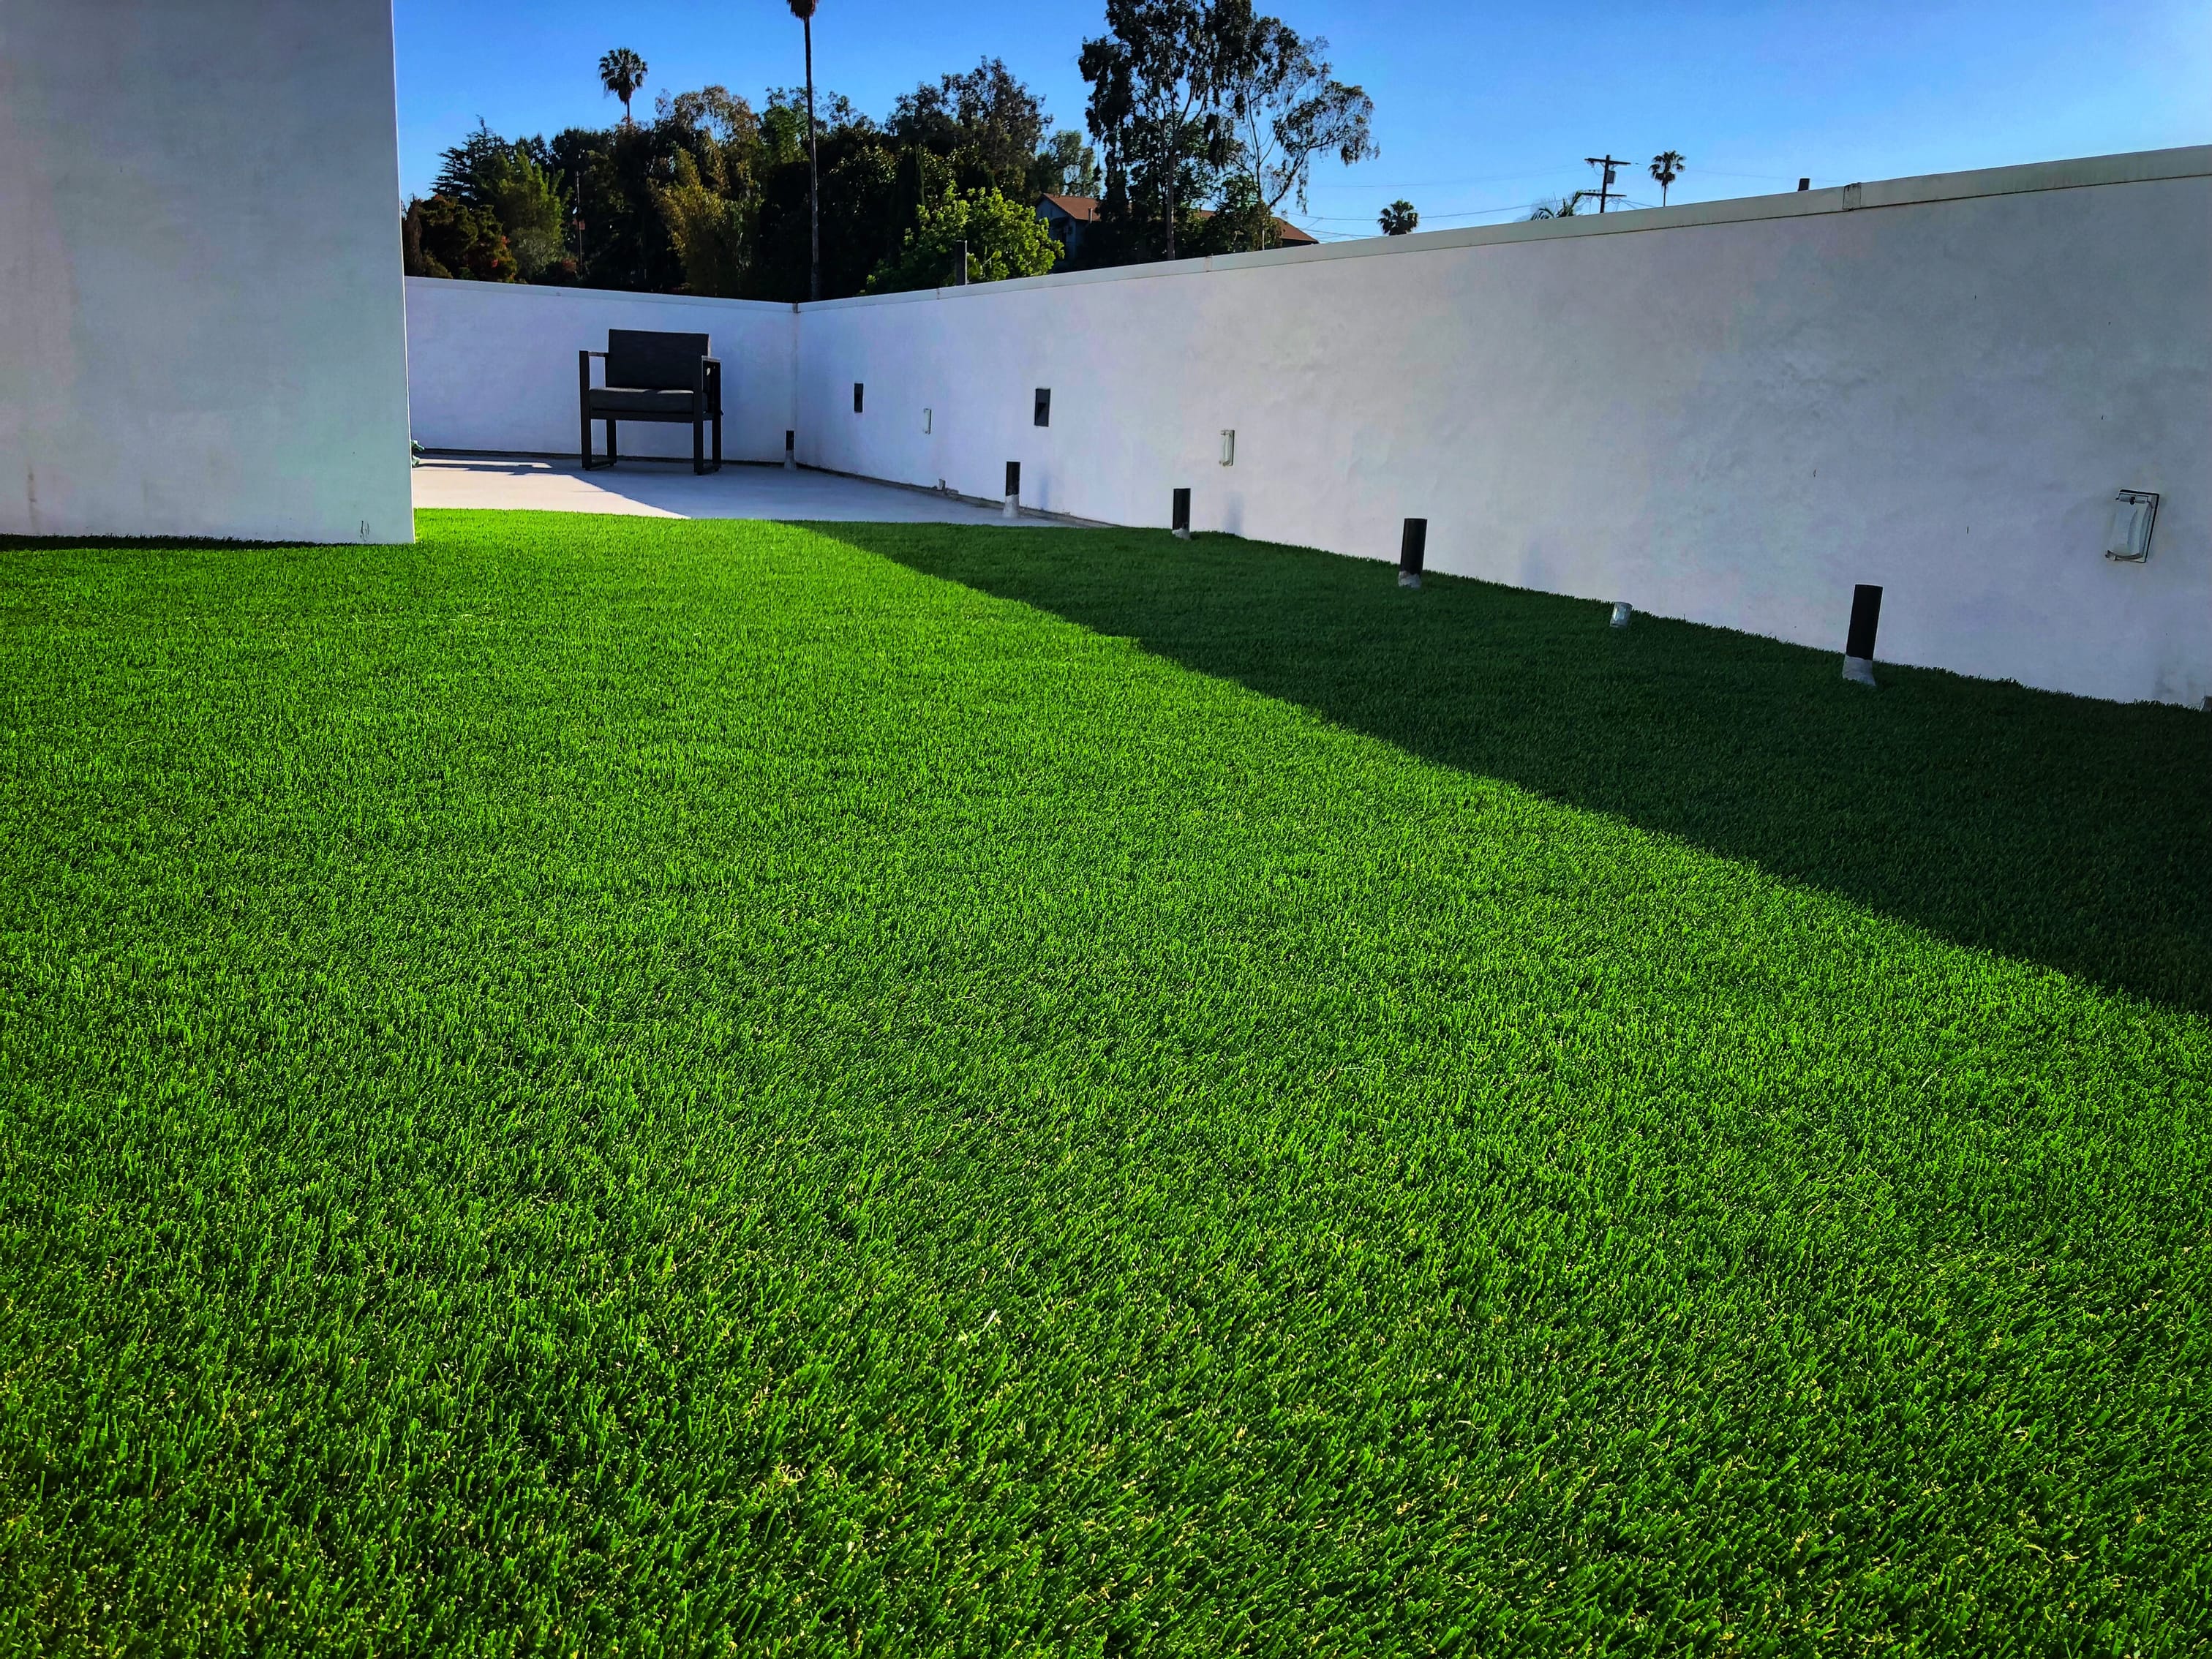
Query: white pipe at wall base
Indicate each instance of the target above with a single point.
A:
(1859, 671)
(1621, 613)
(1013, 507)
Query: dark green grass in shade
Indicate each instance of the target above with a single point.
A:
(598, 1085)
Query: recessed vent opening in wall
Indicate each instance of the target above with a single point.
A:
(1043, 417)
(857, 389)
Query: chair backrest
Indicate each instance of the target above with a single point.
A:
(645, 360)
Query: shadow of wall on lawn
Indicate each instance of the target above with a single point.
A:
(2073, 832)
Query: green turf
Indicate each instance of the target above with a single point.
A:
(594, 1086)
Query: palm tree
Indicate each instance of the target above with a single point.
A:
(804, 11)
(1667, 166)
(622, 72)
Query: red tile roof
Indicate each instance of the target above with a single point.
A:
(1085, 209)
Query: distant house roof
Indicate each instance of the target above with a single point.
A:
(1083, 209)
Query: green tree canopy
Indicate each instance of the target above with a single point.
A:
(441, 237)
(710, 193)
(1284, 104)
(1004, 239)
(622, 72)
(1155, 79)
(712, 231)
(1065, 167)
(986, 110)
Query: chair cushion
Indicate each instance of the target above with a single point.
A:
(630, 400)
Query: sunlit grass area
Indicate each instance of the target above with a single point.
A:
(599, 1085)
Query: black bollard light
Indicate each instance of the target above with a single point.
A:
(1858, 644)
(1412, 547)
(1179, 520)
(790, 450)
(1013, 489)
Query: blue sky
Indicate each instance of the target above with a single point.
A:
(1479, 109)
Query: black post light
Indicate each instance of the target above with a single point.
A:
(1858, 644)
(1412, 548)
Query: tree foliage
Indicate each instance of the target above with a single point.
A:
(622, 72)
(1065, 167)
(712, 231)
(1189, 95)
(985, 111)
(1284, 105)
(1155, 79)
(441, 237)
(1398, 219)
(1003, 239)
(709, 193)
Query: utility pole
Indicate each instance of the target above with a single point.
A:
(1605, 190)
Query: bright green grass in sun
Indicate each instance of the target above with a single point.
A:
(597, 1085)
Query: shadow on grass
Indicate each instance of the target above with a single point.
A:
(2073, 832)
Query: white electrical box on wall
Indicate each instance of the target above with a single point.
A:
(2127, 533)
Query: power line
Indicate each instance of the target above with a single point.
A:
(1447, 184)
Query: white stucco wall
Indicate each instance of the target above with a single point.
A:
(201, 317)
(1730, 412)
(492, 366)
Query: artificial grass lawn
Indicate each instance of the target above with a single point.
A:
(598, 1085)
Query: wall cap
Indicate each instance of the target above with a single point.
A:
(2138, 166)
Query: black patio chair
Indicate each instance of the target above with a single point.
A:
(652, 376)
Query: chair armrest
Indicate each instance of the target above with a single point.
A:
(584, 371)
(709, 389)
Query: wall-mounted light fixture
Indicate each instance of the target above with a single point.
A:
(1042, 408)
(927, 416)
(857, 390)
(2127, 533)
(1228, 446)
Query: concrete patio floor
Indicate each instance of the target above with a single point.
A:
(662, 490)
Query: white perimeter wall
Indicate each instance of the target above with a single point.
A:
(492, 366)
(201, 318)
(1730, 412)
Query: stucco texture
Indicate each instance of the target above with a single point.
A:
(199, 271)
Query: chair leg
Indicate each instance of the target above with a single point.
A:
(584, 438)
(718, 443)
(612, 455)
(698, 447)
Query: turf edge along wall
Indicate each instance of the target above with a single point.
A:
(1729, 411)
